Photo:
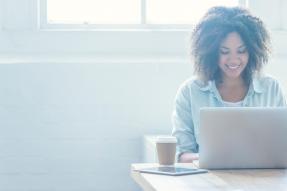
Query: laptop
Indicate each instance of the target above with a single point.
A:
(243, 138)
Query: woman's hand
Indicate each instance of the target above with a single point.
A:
(188, 157)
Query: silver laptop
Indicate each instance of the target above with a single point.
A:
(243, 137)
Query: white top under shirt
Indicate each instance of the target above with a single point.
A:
(233, 104)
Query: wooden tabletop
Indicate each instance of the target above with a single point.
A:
(235, 180)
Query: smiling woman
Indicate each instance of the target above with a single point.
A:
(230, 47)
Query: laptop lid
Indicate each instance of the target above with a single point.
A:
(243, 137)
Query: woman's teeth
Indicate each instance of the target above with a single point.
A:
(233, 67)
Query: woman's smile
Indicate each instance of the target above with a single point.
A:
(233, 67)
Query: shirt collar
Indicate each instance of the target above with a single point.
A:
(256, 86)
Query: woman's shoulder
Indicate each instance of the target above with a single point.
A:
(194, 83)
(265, 81)
(191, 88)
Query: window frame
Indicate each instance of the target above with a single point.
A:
(44, 25)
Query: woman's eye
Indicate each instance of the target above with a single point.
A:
(242, 51)
(224, 52)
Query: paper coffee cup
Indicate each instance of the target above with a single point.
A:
(166, 148)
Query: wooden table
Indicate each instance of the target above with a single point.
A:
(235, 180)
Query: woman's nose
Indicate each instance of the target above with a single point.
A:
(234, 58)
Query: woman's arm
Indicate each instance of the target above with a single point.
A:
(188, 157)
(183, 127)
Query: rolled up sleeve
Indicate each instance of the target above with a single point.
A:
(183, 127)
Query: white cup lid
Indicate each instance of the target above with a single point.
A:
(166, 139)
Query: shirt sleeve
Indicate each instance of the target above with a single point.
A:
(183, 128)
(280, 96)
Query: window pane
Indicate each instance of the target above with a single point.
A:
(180, 11)
(94, 11)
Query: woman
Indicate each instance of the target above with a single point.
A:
(230, 47)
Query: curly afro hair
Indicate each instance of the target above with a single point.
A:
(213, 28)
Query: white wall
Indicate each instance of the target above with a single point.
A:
(74, 106)
(78, 126)
(1, 14)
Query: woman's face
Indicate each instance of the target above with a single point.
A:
(233, 56)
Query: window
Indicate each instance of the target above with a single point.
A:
(125, 13)
(93, 11)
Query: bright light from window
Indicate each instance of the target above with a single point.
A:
(93, 11)
(129, 11)
(181, 11)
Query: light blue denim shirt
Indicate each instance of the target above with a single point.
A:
(193, 94)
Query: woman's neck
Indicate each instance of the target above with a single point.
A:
(232, 90)
(232, 83)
